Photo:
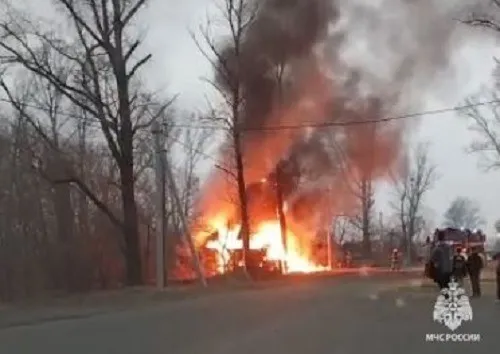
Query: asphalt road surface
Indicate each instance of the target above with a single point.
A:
(339, 316)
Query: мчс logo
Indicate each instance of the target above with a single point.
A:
(452, 307)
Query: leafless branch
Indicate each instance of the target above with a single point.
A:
(416, 178)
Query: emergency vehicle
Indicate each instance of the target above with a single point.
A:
(462, 238)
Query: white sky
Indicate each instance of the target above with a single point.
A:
(178, 67)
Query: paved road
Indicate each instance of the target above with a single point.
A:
(339, 316)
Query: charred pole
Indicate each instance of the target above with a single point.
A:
(280, 210)
(280, 76)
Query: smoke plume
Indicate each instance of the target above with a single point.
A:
(320, 62)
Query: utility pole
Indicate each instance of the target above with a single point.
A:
(185, 226)
(408, 252)
(279, 168)
(409, 231)
(160, 214)
(329, 235)
(332, 224)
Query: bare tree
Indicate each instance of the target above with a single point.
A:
(486, 118)
(486, 126)
(95, 70)
(357, 182)
(497, 226)
(227, 62)
(410, 187)
(192, 143)
(341, 229)
(463, 212)
(358, 169)
(484, 14)
(363, 221)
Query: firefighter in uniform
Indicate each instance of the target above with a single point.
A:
(475, 264)
(348, 259)
(459, 266)
(395, 259)
(496, 258)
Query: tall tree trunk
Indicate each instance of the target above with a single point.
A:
(130, 226)
(83, 205)
(243, 200)
(126, 162)
(409, 242)
(65, 231)
(65, 219)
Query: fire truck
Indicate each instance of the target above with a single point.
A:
(462, 238)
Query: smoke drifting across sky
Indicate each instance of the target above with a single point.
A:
(317, 61)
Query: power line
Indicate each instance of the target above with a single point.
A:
(216, 161)
(305, 125)
(191, 148)
(347, 123)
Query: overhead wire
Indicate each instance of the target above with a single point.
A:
(304, 125)
(191, 148)
(328, 124)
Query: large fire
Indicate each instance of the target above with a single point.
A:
(320, 170)
(267, 237)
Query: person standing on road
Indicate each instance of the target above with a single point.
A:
(496, 257)
(395, 259)
(459, 266)
(442, 261)
(474, 266)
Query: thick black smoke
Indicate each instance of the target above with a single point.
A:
(282, 35)
(318, 61)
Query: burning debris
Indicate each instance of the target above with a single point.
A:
(294, 72)
(267, 238)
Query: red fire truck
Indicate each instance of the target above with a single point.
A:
(458, 238)
(461, 238)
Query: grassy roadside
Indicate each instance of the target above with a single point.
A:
(173, 292)
(87, 305)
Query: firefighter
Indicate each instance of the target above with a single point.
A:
(498, 278)
(442, 261)
(459, 265)
(395, 259)
(474, 266)
(496, 257)
(348, 259)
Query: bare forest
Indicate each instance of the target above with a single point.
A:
(76, 152)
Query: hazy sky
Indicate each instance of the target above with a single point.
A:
(177, 66)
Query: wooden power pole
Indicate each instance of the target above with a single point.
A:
(160, 214)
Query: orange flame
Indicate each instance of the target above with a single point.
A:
(267, 237)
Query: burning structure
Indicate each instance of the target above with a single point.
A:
(275, 241)
(310, 123)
